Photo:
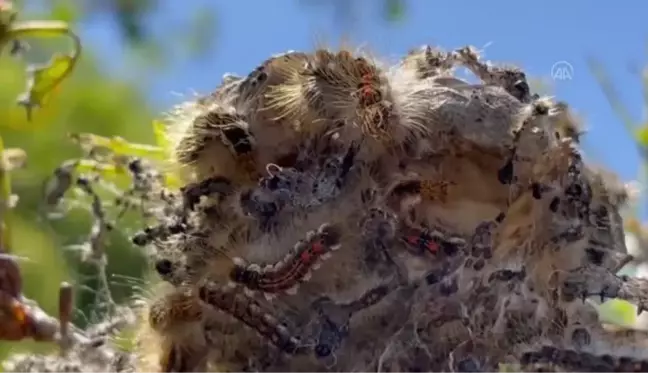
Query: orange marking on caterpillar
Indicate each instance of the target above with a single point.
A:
(435, 190)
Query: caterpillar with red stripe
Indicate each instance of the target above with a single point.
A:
(420, 241)
(286, 274)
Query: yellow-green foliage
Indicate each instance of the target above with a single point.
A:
(86, 101)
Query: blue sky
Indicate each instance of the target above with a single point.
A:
(535, 36)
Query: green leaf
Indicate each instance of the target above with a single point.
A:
(161, 136)
(618, 312)
(109, 172)
(163, 142)
(39, 29)
(394, 10)
(641, 135)
(5, 195)
(42, 79)
(200, 32)
(65, 10)
(120, 146)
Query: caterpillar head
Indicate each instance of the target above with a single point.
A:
(217, 142)
(171, 337)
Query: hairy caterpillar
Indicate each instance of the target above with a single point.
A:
(581, 361)
(294, 268)
(251, 314)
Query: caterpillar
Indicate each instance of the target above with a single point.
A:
(286, 274)
(316, 181)
(583, 361)
(192, 193)
(431, 241)
(429, 62)
(177, 307)
(512, 79)
(250, 312)
(334, 318)
(223, 134)
(175, 322)
(345, 91)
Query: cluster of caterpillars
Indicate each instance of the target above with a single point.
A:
(340, 214)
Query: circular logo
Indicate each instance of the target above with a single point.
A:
(562, 70)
